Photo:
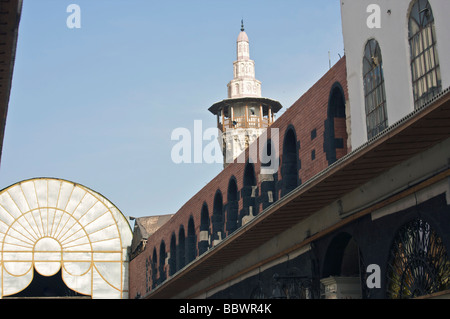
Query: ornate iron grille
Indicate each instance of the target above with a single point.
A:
(419, 264)
(258, 292)
(292, 286)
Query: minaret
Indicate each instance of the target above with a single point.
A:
(245, 115)
(244, 83)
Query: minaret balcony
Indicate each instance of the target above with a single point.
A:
(251, 121)
(245, 113)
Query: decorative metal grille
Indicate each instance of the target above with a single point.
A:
(258, 292)
(291, 286)
(419, 264)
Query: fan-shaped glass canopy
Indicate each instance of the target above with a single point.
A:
(52, 225)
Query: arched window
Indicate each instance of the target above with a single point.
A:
(267, 155)
(148, 274)
(232, 206)
(162, 262)
(154, 268)
(374, 91)
(204, 239)
(181, 248)
(47, 286)
(268, 192)
(418, 263)
(191, 252)
(173, 255)
(248, 192)
(335, 135)
(217, 218)
(426, 76)
(289, 171)
(342, 257)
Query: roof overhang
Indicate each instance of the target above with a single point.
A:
(266, 103)
(10, 11)
(414, 134)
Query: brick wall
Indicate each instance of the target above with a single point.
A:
(308, 116)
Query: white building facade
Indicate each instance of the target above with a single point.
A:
(396, 59)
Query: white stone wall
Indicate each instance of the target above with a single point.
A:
(392, 36)
(243, 50)
(244, 83)
(244, 88)
(237, 140)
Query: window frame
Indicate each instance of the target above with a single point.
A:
(424, 59)
(374, 89)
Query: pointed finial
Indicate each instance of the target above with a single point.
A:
(242, 24)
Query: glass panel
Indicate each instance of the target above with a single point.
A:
(427, 60)
(374, 91)
(415, 15)
(438, 75)
(418, 263)
(431, 55)
(424, 59)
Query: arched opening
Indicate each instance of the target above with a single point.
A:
(425, 70)
(217, 218)
(47, 286)
(173, 255)
(335, 135)
(341, 273)
(248, 192)
(148, 274)
(289, 165)
(191, 241)
(232, 206)
(342, 257)
(268, 191)
(267, 153)
(418, 262)
(181, 248)
(204, 240)
(162, 262)
(154, 268)
(374, 90)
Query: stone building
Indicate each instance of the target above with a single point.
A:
(312, 134)
(360, 205)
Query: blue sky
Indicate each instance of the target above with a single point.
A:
(97, 105)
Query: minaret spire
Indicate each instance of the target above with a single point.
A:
(245, 115)
(244, 83)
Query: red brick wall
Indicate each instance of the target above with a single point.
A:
(309, 112)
